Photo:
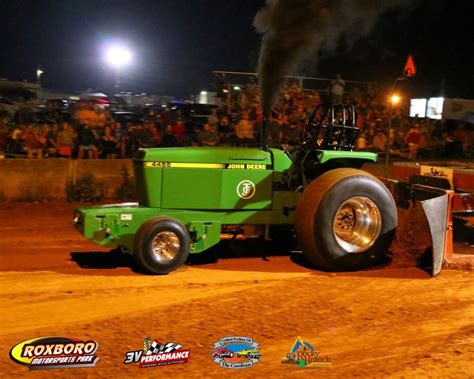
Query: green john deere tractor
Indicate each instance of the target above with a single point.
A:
(343, 218)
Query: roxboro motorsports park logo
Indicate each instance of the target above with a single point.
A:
(155, 353)
(303, 354)
(55, 352)
(236, 352)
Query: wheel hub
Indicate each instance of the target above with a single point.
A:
(165, 246)
(357, 224)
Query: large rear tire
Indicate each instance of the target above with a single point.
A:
(345, 220)
(161, 245)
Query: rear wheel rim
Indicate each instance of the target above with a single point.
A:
(357, 224)
(165, 246)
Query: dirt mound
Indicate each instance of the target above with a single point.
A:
(412, 238)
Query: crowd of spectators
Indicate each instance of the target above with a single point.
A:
(91, 131)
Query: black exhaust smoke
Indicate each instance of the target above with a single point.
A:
(264, 132)
(297, 28)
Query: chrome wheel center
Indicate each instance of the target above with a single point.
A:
(165, 246)
(357, 224)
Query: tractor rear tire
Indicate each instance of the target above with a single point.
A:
(345, 220)
(161, 245)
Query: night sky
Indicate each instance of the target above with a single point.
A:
(177, 43)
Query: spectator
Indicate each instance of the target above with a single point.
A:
(146, 135)
(291, 133)
(397, 119)
(130, 140)
(361, 141)
(87, 141)
(254, 111)
(88, 113)
(169, 139)
(251, 87)
(337, 89)
(102, 116)
(413, 140)
(25, 114)
(213, 119)
(274, 131)
(65, 141)
(193, 139)
(157, 136)
(4, 136)
(440, 128)
(120, 138)
(399, 139)
(42, 136)
(151, 117)
(380, 141)
(51, 145)
(244, 131)
(225, 131)
(209, 136)
(109, 144)
(15, 145)
(470, 139)
(180, 117)
(179, 130)
(31, 143)
(167, 116)
(423, 147)
(461, 139)
(356, 94)
(52, 113)
(240, 127)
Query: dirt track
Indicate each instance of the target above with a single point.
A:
(385, 322)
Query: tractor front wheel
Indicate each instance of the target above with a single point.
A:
(345, 220)
(161, 245)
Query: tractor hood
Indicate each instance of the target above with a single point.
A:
(204, 178)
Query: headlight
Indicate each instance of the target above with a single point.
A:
(77, 218)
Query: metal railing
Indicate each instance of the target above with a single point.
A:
(237, 78)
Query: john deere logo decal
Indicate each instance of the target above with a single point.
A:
(55, 352)
(246, 189)
(303, 354)
(236, 352)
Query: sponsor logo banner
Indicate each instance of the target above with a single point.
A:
(440, 172)
(55, 352)
(236, 352)
(303, 354)
(155, 354)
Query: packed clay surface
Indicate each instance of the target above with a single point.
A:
(389, 321)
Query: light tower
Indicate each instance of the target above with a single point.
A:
(118, 57)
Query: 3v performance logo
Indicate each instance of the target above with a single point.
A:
(155, 353)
